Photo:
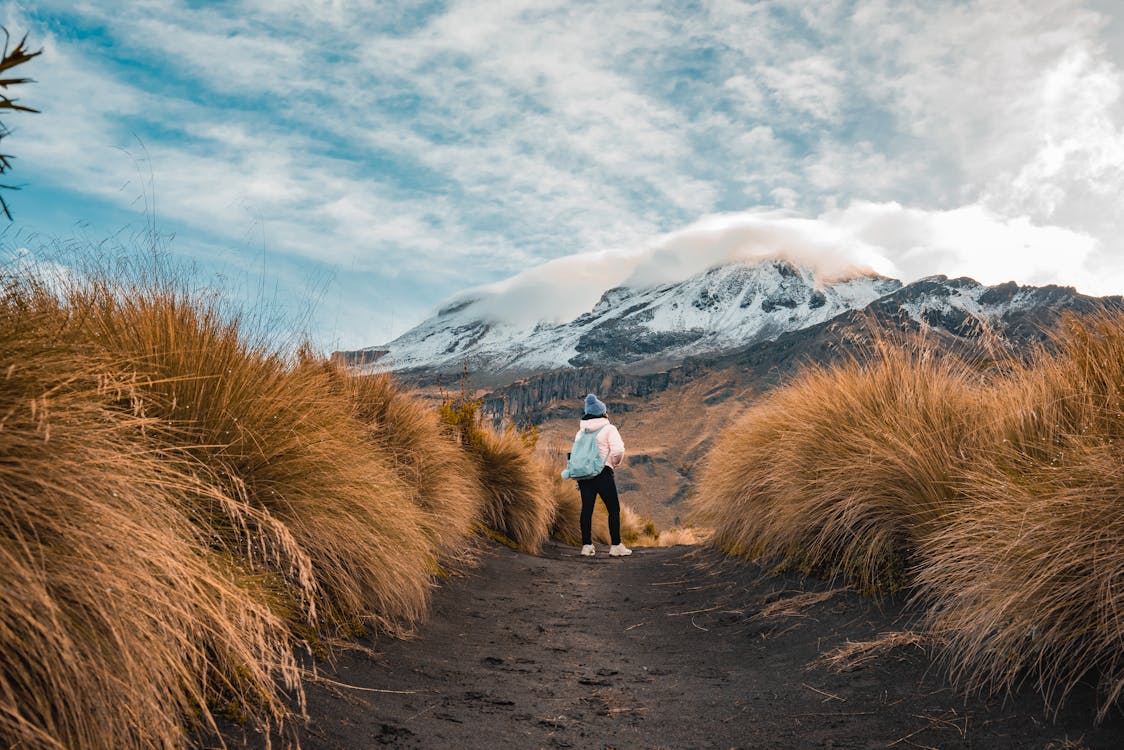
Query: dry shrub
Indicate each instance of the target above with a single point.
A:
(844, 469)
(633, 527)
(184, 504)
(517, 492)
(119, 625)
(681, 535)
(439, 475)
(644, 533)
(325, 512)
(998, 497)
(1028, 579)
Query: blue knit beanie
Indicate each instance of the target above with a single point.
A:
(594, 406)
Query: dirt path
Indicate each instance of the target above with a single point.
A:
(658, 650)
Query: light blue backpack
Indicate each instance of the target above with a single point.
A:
(585, 460)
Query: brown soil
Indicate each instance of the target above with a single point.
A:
(664, 649)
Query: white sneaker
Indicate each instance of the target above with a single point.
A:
(619, 550)
(589, 550)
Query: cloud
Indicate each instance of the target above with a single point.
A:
(811, 85)
(884, 238)
(975, 241)
(1019, 101)
(431, 147)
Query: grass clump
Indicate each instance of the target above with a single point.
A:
(185, 508)
(438, 473)
(304, 496)
(842, 470)
(516, 488)
(1026, 580)
(996, 496)
(120, 623)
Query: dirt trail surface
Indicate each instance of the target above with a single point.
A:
(664, 649)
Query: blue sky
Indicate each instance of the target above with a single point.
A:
(356, 163)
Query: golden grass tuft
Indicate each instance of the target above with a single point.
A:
(438, 473)
(843, 469)
(184, 506)
(324, 511)
(997, 496)
(517, 494)
(518, 503)
(1027, 579)
(120, 625)
(681, 535)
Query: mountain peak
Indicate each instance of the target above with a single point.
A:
(721, 307)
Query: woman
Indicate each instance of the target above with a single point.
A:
(611, 447)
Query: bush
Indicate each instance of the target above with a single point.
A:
(1027, 579)
(305, 496)
(440, 476)
(997, 496)
(517, 494)
(120, 623)
(518, 503)
(843, 470)
(183, 506)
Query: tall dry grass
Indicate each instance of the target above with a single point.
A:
(843, 469)
(184, 505)
(438, 473)
(517, 499)
(996, 496)
(1026, 580)
(120, 625)
(306, 497)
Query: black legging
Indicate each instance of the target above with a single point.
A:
(606, 486)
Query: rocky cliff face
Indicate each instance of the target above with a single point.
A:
(556, 394)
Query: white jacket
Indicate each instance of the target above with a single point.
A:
(609, 442)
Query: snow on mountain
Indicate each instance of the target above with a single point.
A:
(964, 306)
(729, 306)
(724, 307)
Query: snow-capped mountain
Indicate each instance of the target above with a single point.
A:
(727, 307)
(721, 308)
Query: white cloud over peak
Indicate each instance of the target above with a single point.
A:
(883, 238)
